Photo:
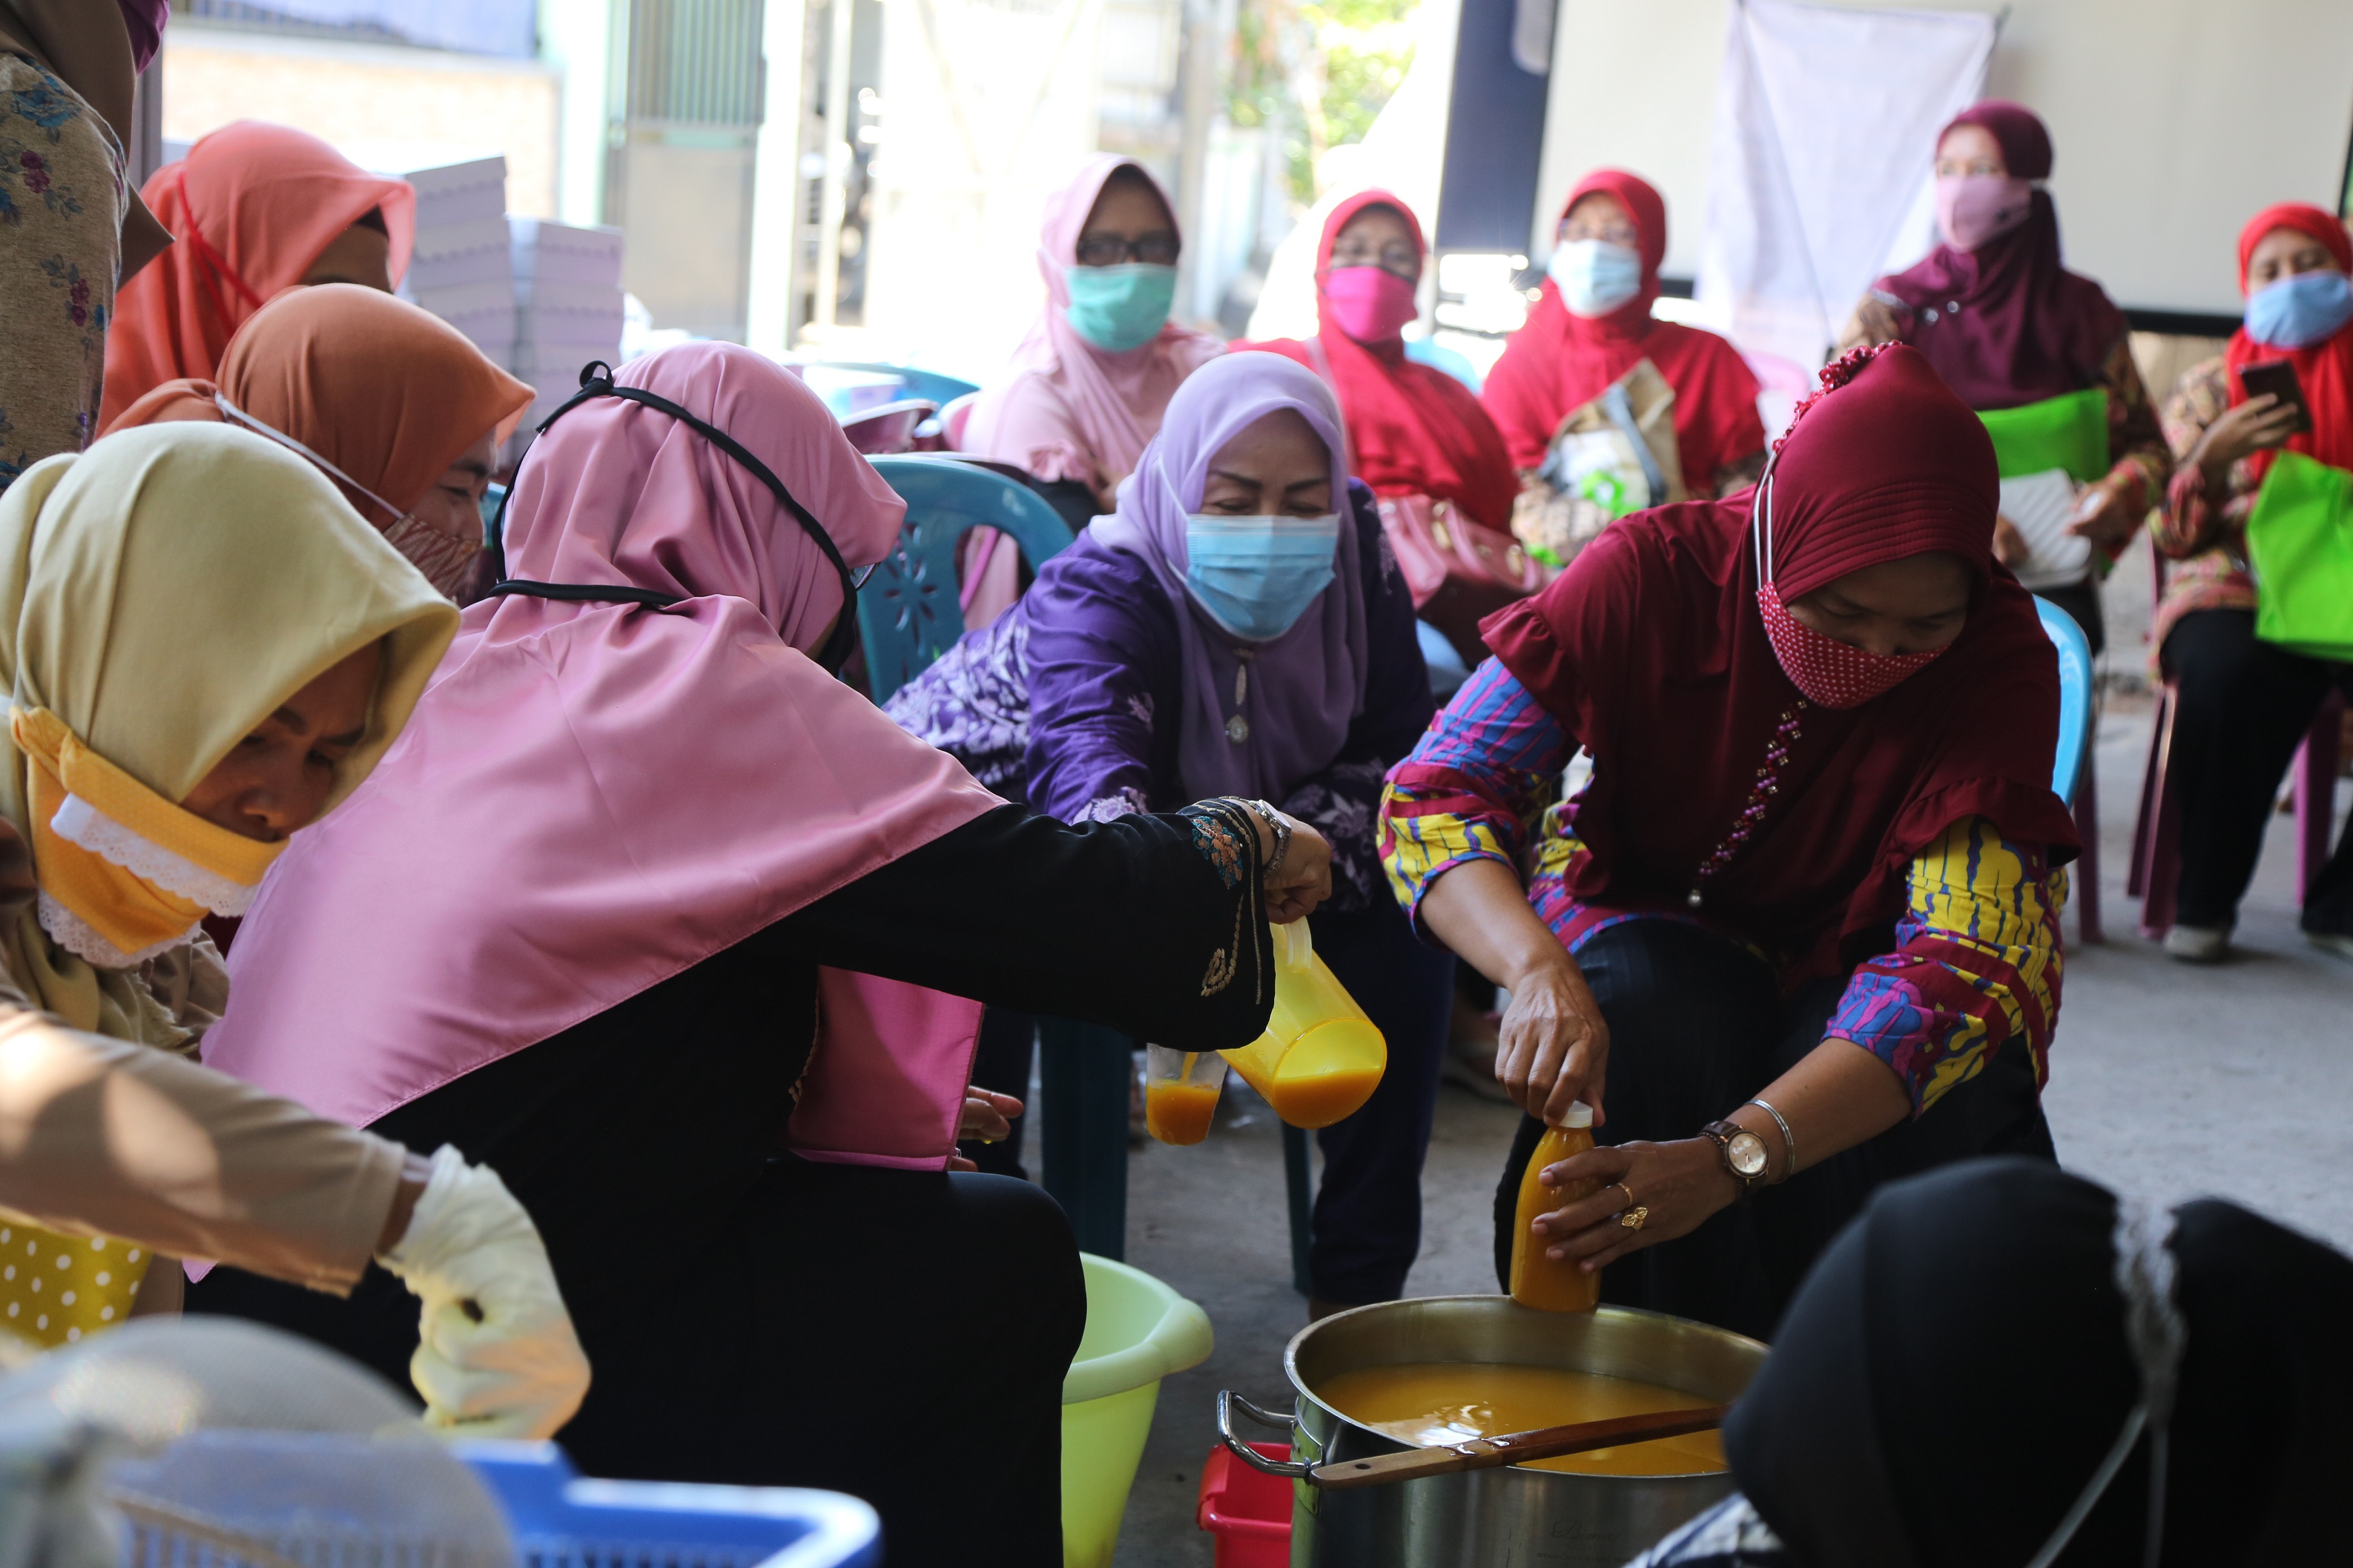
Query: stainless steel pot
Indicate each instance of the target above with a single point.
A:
(1503, 1517)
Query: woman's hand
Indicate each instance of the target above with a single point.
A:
(2260, 422)
(1553, 1048)
(1303, 879)
(986, 1115)
(2010, 546)
(1680, 1185)
(2102, 517)
(1874, 321)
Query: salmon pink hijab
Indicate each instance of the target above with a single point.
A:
(1067, 409)
(249, 208)
(594, 797)
(388, 394)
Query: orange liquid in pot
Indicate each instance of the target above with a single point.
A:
(1434, 1403)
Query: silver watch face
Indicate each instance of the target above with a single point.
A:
(1747, 1152)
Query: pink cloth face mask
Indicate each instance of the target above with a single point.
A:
(1371, 304)
(1974, 209)
(1828, 672)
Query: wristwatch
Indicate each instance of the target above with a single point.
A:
(1743, 1153)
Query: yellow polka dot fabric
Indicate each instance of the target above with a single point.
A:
(56, 1289)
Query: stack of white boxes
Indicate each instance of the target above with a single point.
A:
(568, 290)
(458, 269)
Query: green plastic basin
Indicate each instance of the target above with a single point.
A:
(1138, 1332)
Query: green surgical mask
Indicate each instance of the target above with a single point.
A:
(1119, 308)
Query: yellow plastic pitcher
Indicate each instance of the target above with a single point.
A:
(1320, 1057)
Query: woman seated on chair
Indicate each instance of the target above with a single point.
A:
(1231, 629)
(2007, 326)
(1591, 324)
(395, 404)
(2242, 704)
(2005, 1306)
(613, 914)
(1814, 865)
(1087, 387)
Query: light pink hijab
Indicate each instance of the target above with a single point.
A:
(1067, 409)
(593, 797)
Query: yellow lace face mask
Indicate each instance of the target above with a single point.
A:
(119, 862)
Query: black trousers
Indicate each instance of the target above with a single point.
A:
(897, 1335)
(2245, 706)
(1697, 1025)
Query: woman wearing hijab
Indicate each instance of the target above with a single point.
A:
(2242, 704)
(255, 209)
(1814, 865)
(1591, 323)
(612, 916)
(205, 650)
(1231, 629)
(2007, 326)
(1086, 387)
(2163, 1388)
(395, 404)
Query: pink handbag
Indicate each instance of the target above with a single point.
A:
(1459, 571)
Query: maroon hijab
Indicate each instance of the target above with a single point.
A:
(1649, 650)
(2006, 324)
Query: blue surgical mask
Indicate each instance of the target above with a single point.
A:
(1119, 308)
(1257, 576)
(2297, 312)
(1594, 276)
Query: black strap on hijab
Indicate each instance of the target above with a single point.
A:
(596, 381)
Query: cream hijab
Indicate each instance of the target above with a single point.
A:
(159, 595)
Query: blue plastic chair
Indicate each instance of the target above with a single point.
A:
(909, 612)
(1426, 351)
(2072, 776)
(928, 384)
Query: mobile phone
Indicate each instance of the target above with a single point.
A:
(2278, 378)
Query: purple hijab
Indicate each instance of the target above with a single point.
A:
(2006, 324)
(1305, 685)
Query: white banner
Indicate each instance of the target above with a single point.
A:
(1820, 177)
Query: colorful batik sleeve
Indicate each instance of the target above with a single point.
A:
(1474, 785)
(1976, 965)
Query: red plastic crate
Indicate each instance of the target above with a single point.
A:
(1248, 1513)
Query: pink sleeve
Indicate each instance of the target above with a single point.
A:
(886, 1084)
(1026, 423)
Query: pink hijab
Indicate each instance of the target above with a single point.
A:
(1068, 410)
(594, 797)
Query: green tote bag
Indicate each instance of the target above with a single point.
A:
(2068, 432)
(2300, 543)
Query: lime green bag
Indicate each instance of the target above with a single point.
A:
(2069, 432)
(2300, 543)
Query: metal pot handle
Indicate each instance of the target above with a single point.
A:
(1289, 1470)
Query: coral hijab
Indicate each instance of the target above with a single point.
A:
(1068, 410)
(2324, 369)
(389, 394)
(595, 797)
(1650, 651)
(1558, 361)
(249, 208)
(1412, 430)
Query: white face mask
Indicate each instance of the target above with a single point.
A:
(1595, 276)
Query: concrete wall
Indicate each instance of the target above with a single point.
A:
(348, 92)
(2175, 121)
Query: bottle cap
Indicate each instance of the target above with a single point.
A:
(1579, 1114)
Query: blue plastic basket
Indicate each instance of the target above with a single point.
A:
(560, 1520)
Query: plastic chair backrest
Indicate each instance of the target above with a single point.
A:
(1423, 350)
(890, 428)
(928, 384)
(2074, 697)
(909, 613)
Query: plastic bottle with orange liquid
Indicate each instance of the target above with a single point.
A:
(1320, 1057)
(1536, 1280)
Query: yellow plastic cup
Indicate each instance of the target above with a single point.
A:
(1320, 1057)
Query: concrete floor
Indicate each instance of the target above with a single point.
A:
(2167, 1079)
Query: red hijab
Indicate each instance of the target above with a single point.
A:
(1650, 652)
(2325, 368)
(2027, 328)
(1558, 362)
(1412, 430)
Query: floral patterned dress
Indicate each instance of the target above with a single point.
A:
(63, 195)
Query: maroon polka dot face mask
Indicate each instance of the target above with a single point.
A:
(1830, 673)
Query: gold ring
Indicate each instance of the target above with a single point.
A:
(1634, 1218)
(1625, 1189)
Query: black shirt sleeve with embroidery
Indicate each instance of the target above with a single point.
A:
(1154, 925)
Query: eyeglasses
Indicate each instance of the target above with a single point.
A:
(1111, 249)
(1401, 259)
(1613, 234)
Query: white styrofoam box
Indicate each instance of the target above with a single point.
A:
(569, 326)
(566, 253)
(455, 183)
(471, 236)
(556, 297)
(453, 271)
(470, 298)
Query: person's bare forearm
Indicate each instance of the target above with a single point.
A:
(1479, 909)
(86, 43)
(1837, 1096)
